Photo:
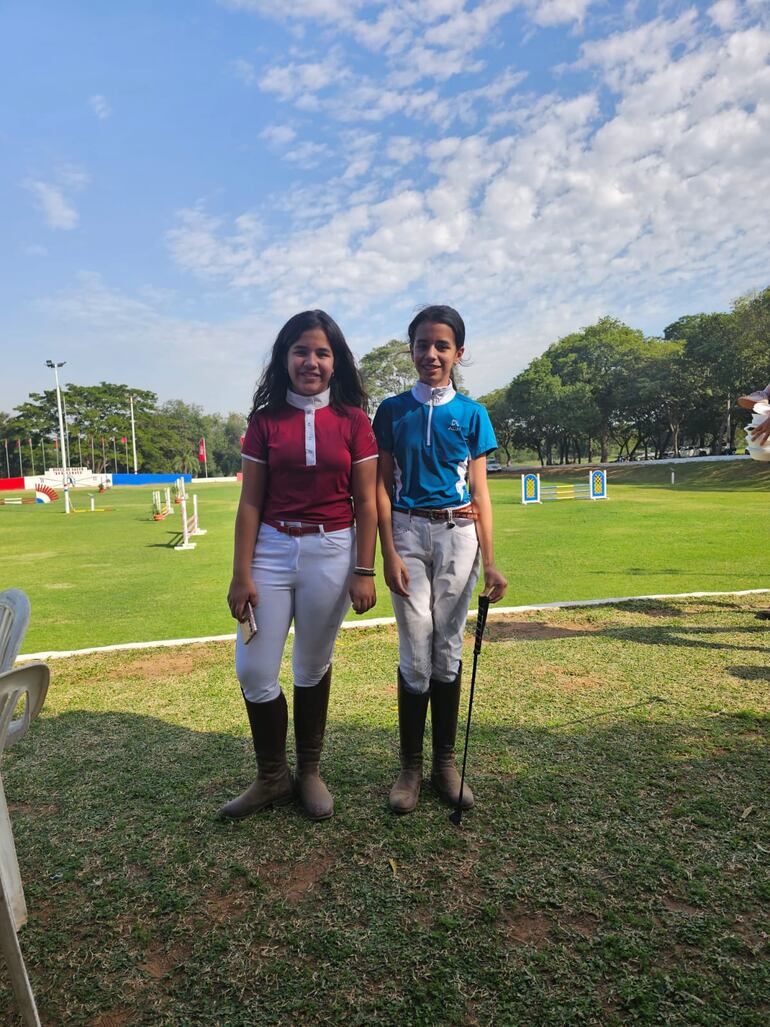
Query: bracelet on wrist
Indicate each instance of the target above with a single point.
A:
(365, 572)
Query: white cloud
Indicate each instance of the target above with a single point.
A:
(300, 81)
(57, 211)
(245, 71)
(222, 358)
(558, 208)
(724, 13)
(278, 135)
(308, 153)
(100, 107)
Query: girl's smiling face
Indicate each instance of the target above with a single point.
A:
(434, 353)
(310, 362)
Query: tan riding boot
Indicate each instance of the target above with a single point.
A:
(412, 708)
(444, 706)
(273, 786)
(310, 706)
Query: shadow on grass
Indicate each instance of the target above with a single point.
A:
(751, 673)
(607, 873)
(730, 476)
(675, 635)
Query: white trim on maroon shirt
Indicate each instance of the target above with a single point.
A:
(309, 404)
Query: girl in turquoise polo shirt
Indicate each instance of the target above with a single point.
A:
(435, 520)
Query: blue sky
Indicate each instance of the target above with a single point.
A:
(180, 178)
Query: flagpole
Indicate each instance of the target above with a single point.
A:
(31, 455)
(133, 428)
(18, 450)
(7, 461)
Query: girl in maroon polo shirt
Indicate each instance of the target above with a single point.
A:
(304, 548)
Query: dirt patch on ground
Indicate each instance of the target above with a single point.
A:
(529, 928)
(587, 926)
(113, 1018)
(535, 630)
(39, 809)
(160, 664)
(564, 677)
(158, 963)
(293, 883)
(231, 906)
(677, 906)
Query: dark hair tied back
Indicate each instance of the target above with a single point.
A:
(346, 387)
(439, 315)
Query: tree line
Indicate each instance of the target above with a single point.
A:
(98, 433)
(609, 389)
(605, 389)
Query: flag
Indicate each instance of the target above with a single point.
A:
(202, 451)
(18, 443)
(123, 441)
(55, 443)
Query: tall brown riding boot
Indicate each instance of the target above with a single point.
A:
(310, 706)
(272, 786)
(444, 706)
(412, 708)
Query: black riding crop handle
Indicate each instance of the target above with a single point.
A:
(481, 623)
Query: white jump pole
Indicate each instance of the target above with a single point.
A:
(186, 543)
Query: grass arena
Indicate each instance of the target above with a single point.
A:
(615, 869)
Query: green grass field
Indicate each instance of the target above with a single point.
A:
(615, 872)
(103, 578)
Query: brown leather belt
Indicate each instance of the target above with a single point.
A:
(444, 515)
(288, 528)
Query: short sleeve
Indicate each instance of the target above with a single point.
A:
(383, 427)
(255, 441)
(363, 443)
(482, 438)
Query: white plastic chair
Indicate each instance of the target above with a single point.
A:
(31, 682)
(14, 618)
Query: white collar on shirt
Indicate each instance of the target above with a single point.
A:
(308, 402)
(424, 393)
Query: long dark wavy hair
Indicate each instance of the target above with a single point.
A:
(346, 387)
(438, 314)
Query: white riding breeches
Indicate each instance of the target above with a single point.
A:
(304, 579)
(443, 565)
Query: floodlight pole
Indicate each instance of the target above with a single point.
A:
(133, 428)
(65, 483)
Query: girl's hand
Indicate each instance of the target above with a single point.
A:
(396, 575)
(494, 584)
(242, 591)
(363, 594)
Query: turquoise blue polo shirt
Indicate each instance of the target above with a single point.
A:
(432, 435)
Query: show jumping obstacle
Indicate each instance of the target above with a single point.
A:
(533, 492)
(190, 525)
(161, 509)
